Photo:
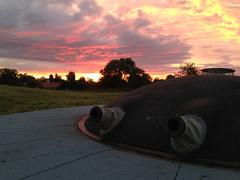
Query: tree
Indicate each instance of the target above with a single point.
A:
(27, 80)
(188, 69)
(119, 68)
(81, 83)
(136, 81)
(123, 72)
(8, 76)
(156, 79)
(112, 81)
(115, 73)
(71, 77)
(91, 84)
(170, 76)
(71, 81)
(138, 78)
(58, 78)
(51, 79)
(43, 79)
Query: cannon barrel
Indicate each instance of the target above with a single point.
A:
(104, 119)
(187, 132)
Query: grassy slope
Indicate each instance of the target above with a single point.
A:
(19, 99)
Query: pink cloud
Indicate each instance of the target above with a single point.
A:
(85, 34)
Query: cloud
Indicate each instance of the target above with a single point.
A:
(95, 39)
(146, 49)
(85, 34)
(24, 14)
(140, 22)
(27, 26)
(233, 4)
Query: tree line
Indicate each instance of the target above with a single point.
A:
(118, 73)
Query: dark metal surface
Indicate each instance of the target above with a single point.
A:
(213, 98)
(218, 70)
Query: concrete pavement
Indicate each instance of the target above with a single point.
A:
(45, 145)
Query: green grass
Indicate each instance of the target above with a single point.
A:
(19, 99)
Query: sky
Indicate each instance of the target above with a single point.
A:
(57, 36)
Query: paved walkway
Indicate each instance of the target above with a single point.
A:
(45, 145)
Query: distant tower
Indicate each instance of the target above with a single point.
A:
(218, 71)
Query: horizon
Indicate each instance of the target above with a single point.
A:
(94, 76)
(38, 37)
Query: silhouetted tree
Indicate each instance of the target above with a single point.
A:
(120, 73)
(8, 76)
(58, 78)
(138, 78)
(71, 81)
(81, 83)
(27, 80)
(91, 84)
(119, 67)
(188, 69)
(51, 79)
(71, 77)
(43, 79)
(170, 76)
(156, 79)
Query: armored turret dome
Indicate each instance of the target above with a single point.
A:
(193, 119)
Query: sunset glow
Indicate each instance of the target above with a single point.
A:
(50, 36)
(93, 76)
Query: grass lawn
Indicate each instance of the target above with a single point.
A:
(20, 99)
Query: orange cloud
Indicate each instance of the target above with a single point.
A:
(82, 35)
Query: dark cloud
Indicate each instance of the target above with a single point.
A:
(12, 46)
(46, 31)
(129, 42)
(140, 22)
(89, 8)
(24, 14)
(161, 50)
(50, 16)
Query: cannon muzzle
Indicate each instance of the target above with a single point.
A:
(186, 133)
(103, 120)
